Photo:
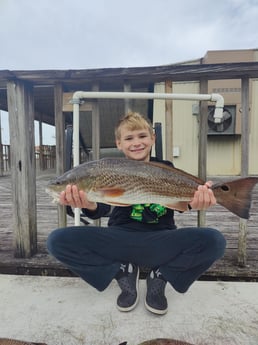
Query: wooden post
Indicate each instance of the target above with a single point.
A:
(202, 148)
(169, 122)
(60, 145)
(95, 126)
(127, 101)
(245, 127)
(1, 151)
(23, 174)
(242, 235)
(41, 152)
(96, 135)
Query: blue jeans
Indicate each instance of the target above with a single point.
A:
(95, 253)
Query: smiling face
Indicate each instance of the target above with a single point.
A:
(135, 144)
(134, 136)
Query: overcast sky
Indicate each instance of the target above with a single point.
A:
(81, 34)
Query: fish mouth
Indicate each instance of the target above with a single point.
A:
(54, 194)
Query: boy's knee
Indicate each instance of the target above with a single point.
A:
(54, 240)
(218, 243)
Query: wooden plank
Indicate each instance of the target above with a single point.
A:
(43, 264)
(68, 107)
(21, 121)
(95, 126)
(169, 122)
(245, 127)
(127, 101)
(202, 144)
(244, 165)
(60, 144)
(1, 151)
(242, 237)
(76, 78)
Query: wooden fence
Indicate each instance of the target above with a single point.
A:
(4, 159)
(45, 158)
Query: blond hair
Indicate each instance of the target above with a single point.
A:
(133, 121)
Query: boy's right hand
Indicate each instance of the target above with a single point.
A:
(203, 197)
(76, 198)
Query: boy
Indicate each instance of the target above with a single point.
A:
(137, 235)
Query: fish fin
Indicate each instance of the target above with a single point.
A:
(236, 196)
(112, 191)
(174, 170)
(179, 206)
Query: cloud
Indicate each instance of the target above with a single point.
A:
(61, 34)
(79, 34)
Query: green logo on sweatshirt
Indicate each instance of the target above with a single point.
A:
(148, 213)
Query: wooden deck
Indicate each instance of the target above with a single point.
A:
(43, 264)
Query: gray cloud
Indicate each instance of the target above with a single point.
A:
(63, 34)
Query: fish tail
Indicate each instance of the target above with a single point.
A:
(236, 196)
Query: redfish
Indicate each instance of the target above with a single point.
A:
(161, 341)
(123, 182)
(7, 341)
(164, 341)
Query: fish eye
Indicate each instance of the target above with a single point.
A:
(225, 188)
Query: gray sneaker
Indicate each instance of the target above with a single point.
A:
(128, 281)
(156, 301)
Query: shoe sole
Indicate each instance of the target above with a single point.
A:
(137, 298)
(155, 311)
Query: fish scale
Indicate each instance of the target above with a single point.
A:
(137, 181)
(123, 182)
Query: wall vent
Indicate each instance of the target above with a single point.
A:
(228, 124)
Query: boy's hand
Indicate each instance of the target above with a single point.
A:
(203, 197)
(76, 198)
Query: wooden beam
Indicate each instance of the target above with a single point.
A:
(1, 150)
(41, 160)
(127, 101)
(169, 122)
(21, 123)
(68, 107)
(245, 127)
(60, 144)
(95, 126)
(202, 145)
(140, 74)
(242, 235)
(95, 134)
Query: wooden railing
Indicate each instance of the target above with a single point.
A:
(45, 158)
(4, 159)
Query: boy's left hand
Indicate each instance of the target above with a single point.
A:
(203, 197)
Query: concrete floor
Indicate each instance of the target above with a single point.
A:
(66, 311)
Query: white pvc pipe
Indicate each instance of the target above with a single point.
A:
(76, 148)
(76, 127)
(214, 97)
(79, 95)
